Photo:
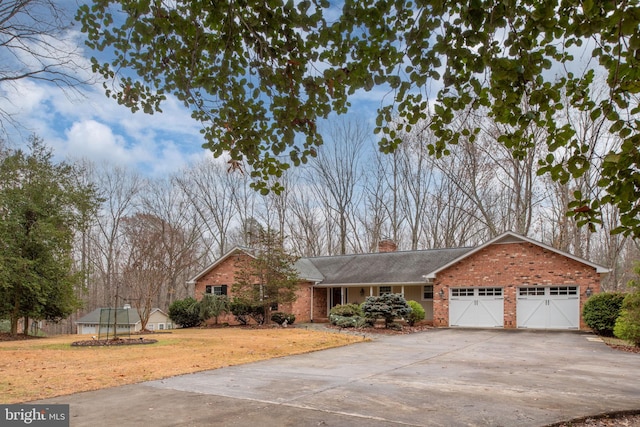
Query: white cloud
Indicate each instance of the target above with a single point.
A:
(96, 128)
(94, 141)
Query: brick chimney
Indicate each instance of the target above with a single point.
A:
(387, 245)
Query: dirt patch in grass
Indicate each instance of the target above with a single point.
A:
(32, 369)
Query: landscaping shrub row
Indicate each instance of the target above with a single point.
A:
(389, 307)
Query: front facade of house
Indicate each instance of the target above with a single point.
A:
(508, 282)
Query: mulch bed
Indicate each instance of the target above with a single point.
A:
(620, 419)
(381, 330)
(627, 348)
(109, 342)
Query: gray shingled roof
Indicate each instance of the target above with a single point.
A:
(378, 268)
(94, 316)
(308, 271)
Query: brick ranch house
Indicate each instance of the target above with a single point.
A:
(508, 282)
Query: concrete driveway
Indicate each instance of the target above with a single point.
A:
(443, 377)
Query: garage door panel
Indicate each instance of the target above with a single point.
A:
(460, 310)
(527, 313)
(553, 307)
(476, 307)
(490, 313)
(564, 314)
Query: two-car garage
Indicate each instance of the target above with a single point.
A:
(537, 307)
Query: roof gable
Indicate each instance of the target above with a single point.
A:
(511, 237)
(223, 258)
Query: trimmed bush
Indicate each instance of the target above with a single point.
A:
(241, 310)
(417, 313)
(601, 311)
(388, 307)
(348, 321)
(279, 318)
(185, 312)
(628, 324)
(213, 306)
(346, 310)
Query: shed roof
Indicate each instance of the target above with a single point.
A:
(126, 316)
(122, 313)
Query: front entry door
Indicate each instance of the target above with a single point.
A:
(337, 295)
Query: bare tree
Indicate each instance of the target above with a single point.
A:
(376, 219)
(210, 187)
(144, 262)
(120, 189)
(468, 169)
(36, 44)
(336, 174)
(448, 222)
(515, 177)
(178, 237)
(305, 223)
(275, 206)
(416, 176)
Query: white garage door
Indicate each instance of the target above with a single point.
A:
(87, 329)
(553, 307)
(476, 307)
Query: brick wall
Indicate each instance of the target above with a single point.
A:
(224, 274)
(320, 305)
(511, 266)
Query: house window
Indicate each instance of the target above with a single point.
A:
(161, 326)
(427, 292)
(385, 290)
(216, 289)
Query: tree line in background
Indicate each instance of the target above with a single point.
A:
(148, 236)
(520, 133)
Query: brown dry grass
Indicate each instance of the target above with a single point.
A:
(48, 367)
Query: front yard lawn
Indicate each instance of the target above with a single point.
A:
(41, 368)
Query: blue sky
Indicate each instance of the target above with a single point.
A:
(88, 125)
(95, 127)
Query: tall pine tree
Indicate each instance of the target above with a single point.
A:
(268, 279)
(42, 206)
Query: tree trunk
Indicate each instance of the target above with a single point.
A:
(15, 315)
(14, 326)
